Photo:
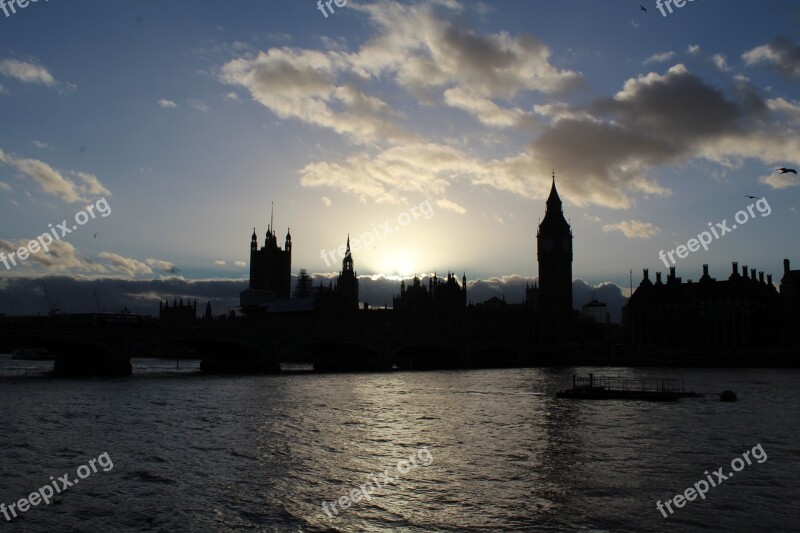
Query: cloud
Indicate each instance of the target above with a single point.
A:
(40, 144)
(91, 185)
(125, 265)
(220, 262)
(693, 49)
(390, 175)
(140, 296)
(60, 257)
(451, 206)
(486, 111)
(327, 201)
(424, 54)
(658, 120)
(53, 182)
(424, 50)
(240, 264)
(167, 104)
(232, 96)
(26, 72)
(198, 104)
(633, 229)
(720, 62)
(781, 54)
(166, 266)
(301, 84)
(4, 186)
(659, 58)
(780, 181)
(606, 151)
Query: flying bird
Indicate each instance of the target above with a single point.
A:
(752, 197)
(643, 8)
(95, 235)
(784, 170)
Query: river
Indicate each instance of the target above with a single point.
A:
(494, 451)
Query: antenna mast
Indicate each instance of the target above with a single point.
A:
(631, 281)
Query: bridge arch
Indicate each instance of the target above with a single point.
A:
(496, 357)
(430, 357)
(218, 354)
(336, 356)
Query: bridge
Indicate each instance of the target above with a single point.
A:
(105, 347)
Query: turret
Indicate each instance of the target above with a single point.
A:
(646, 277)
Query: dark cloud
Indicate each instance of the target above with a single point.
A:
(609, 147)
(781, 54)
(25, 296)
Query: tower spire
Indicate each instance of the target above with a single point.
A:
(553, 199)
(271, 212)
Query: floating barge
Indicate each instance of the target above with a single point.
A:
(618, 388)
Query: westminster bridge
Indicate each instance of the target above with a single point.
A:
(103, 344)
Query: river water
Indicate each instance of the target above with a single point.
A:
(494, 451)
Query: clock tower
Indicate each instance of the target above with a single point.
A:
(554, 247)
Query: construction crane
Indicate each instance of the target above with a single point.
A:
(52, 309)
(96, 300)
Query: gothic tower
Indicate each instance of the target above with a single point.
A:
(554, 251)
(347, 284)
(270, 270)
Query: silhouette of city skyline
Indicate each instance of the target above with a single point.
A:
(743, 312)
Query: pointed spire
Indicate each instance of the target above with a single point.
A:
(553, 199)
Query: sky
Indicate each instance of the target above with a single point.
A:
(428, 131)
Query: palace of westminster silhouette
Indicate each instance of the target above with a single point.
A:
(744, 311)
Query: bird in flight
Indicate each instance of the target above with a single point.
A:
(643, 8)
(784, 170)
(95, 235)
(752, 197)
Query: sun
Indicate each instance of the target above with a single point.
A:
(401, 262)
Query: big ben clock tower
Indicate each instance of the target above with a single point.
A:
(554, 251)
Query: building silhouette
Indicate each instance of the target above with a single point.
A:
(270, 270)
(440, 296)
(178, 315)
(596, 311)
(343, 295)
(790, 307)
(554, 253)
(728, 319)
(736, 313)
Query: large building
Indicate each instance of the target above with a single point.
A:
(270, 270)
(554, 252)
(740, 312)
(440, 296)
(790, 308)
(596, 311)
